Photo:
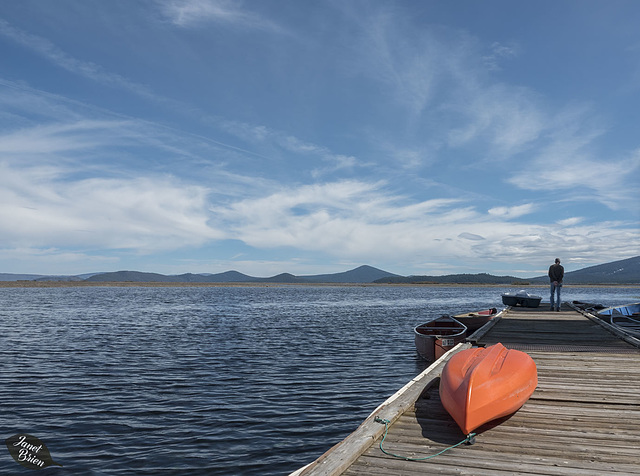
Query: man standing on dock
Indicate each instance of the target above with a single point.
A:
(556, 273)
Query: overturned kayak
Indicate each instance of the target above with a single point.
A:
(481, 384)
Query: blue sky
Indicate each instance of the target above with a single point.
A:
(419, 137)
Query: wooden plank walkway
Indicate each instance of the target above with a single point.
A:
(583, 418)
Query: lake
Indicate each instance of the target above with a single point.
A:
(213, 380)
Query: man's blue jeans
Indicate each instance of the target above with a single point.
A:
(555, 289)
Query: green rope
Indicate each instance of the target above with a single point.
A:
(469, 439)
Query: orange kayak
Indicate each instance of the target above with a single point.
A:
(481, 384)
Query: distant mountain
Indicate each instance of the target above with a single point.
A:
(626, 271)
(228, 277)
(362, 274)
(284, 278)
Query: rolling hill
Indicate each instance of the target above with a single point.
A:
(625, 271)
(362, 274)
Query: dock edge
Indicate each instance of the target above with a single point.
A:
(338, 458)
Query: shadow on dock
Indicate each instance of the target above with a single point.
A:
(437, 425)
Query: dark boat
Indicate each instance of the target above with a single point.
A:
(475, 320)
(521, 298)
(434, 338)
(588, 306)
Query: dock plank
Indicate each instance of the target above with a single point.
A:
(583, 418)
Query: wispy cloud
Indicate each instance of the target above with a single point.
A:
(461, 107)
(61, 137)
(44, 127)
(412, 71)
(329, 161)
(185, 12)
(570, 164)
(90, 70)
(505, 118)
(189, 13)
(438, 78)
(500, 52)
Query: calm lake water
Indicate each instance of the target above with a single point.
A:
(216, 380)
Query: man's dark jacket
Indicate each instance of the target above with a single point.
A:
(556, 273)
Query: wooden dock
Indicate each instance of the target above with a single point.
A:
(583, 418)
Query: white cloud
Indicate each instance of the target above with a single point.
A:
(353, 220)
(359, 220)
(40, 209)
(570, 221)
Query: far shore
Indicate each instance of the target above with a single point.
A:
(158, 284)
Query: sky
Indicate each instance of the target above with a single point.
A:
(269, 136)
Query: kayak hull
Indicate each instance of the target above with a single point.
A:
(482, 384)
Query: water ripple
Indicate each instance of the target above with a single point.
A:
(164, 381)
